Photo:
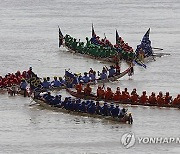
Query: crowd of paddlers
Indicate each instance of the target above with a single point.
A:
(100, 50)
(90, 107)
(124, 96)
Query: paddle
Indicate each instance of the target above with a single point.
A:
(157, 48)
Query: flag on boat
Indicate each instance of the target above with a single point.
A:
(70, 79)
(35, 82)
(60, 38)
(145, 46)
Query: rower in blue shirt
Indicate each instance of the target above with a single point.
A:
(115, 111)
(92, 76)
(63, 83)
(55, 82)
(98, 108)
(46, 84)
(82, 107)
(23, 84)
(112, 71)
(111, 108)
(57, 100)
(48, 98)
(105, 110)
(92, 109)
(85, 78)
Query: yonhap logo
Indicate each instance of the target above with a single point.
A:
(128, 140)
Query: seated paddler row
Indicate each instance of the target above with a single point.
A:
(125, 96)
(79, 105)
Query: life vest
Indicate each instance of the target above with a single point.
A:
(167, 99)
(117, 96)
(87, 90)
(143, 99)
(100, 93)
(79, 88)
(134, 98)
(125, 96)
(160, 100)
(152, 100)
(108, 95)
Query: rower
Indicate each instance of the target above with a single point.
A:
(160, 99)
(82, 107)
(46, 84)
(111, 108)
(79, 88)
(62, 81)
(117, 95)
(55, 82)
(122, 112)
(91, 71)
(92, 109)
(92, 76)
(115, 111)
(108, 94)
(117, 67)
(87, 90)
(105, 110)
(23, 86)
(100, 92)
(98, 108)
(152, 98)
(167, 98)
(176, 100)
(125, 97)
(126, 91)
(85, 78)
(143, 99)
(111, 71)
(134, 96)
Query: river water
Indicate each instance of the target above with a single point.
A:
(29, 37)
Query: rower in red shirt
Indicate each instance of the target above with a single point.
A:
(117, 95)
(143, 99)
(152, 98)
(109, 94)
(125, 97)
(160, 99)
(176, 101)
(167, 98)
(79, 88)
(100, 92)
(134, 96)
(87, 90)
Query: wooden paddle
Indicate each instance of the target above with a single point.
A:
(157, 48)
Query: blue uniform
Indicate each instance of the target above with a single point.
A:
(92, 109)
(115, 112)
(82, 107)
(105, 110)
(23, 85)
(112, 72)
(46, 84)
(103, 76)
(56, 83)
(85, 79)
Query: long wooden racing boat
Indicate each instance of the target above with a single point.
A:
(108, 59)
(94, 97)
(112, 79)
(125, 119)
